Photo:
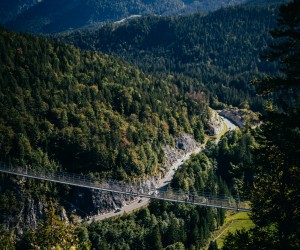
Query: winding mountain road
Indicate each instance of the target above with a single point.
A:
(163, 183)
(229, 124)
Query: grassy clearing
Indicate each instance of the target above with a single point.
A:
(225, 129)
(233, 222)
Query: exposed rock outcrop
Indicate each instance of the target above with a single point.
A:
(183, 144)
(241, 116)
(25, 210)
(85, 202)
(99, 202)
(215, 124)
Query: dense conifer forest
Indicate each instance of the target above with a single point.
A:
(52, 16)
(107, 104)
(87, 111)
(219, 50)
(63, 109)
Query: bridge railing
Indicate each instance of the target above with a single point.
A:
(204, 198)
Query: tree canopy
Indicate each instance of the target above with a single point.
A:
(86, 111)
(275, 196)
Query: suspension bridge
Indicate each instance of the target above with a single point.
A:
(138, 190)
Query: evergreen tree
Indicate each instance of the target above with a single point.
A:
(275, 200)
(213, 245)
(241, 240)
(275, 196)
(7, 239)
(54, 233)
(155, 239)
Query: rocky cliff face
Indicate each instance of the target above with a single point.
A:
(20, 207)
(87, 202)
(31, 207)
(234, 116)
(241, 116)
(98, 202)
(183, 144)
(215, 125)
(30, 214)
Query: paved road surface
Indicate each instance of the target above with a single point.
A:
(142, 202)
(230, 125)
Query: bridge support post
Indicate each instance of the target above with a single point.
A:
(238, 205)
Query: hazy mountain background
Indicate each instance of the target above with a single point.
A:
(50, 16)
(220, 50)
(264, 2)
(10, 9)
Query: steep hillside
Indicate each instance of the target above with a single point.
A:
(84, 112)
(49, 16)
(88, 112)
(220, 50)
(260, 3)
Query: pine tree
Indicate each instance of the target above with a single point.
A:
(275, 195)
(155, 239)
(275, 198)
(213, 245)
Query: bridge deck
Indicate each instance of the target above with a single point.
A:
(84, 181)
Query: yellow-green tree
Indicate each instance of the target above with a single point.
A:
(57, 233)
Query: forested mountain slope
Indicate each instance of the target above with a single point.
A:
(86, 111)
(276, 189)
(259, 3)
(50, 16)
(10, 9)
(220, 50)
